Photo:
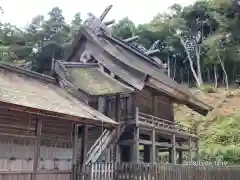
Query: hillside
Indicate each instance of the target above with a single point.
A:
(219, 130)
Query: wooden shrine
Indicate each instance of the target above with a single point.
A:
(106, 101)
(128, 84)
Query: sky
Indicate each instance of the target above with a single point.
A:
(20, 12)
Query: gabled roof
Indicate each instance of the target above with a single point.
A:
(41, 94)
(132, 66)
(90, 78)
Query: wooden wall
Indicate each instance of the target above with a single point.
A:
(159, 106)
(18, 142)
(18, 154)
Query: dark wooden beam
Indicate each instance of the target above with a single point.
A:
(190, 149)
(37, 148)
(84, 146)
(136, 145)
(173, 150)
(74, 156)
(107, 23)
(118, 119)
(159, 144)
(153, 146)
(105, 12)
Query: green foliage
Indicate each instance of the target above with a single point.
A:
(124, 29)
(208, 88)
(223, 139)
(40, 41)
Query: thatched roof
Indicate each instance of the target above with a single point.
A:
(20, 89)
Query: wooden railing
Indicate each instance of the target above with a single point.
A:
(163, 123)
(100, 145)
(129, 171)
(150, 120)
(153, 121)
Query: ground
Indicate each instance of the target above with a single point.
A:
(224, 104)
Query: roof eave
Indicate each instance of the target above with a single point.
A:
(179, 96)
(46, 113)
(198, 106)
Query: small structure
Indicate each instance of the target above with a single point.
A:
(42, 126)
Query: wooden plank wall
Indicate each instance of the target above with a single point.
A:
(18, 143)
(145, 102)
(15, 156)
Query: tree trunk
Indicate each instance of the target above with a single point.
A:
(199, 70)
(223, 68)
(208, 75)
(215, 76)
(174, 70)
(199, 83)
(169, 67)
(181, 76)
(233, 73)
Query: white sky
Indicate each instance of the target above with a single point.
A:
(20, 12)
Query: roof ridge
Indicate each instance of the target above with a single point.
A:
(27, 72)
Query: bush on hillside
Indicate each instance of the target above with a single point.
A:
(208, 88)
(223, 139)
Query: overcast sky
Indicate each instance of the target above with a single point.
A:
(20, 12)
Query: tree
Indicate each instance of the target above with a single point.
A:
(124, 29)
(75, 24)
(55, 33)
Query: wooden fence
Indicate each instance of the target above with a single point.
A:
(159, 172)
(40, 175)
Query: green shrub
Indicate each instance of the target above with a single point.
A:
(208, 88)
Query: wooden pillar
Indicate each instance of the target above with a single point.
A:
(190, 149)
(118, 119)
(136, 145)
(173, 151)
(136, 137)
(84, 145)
(153, 146)
(74, 155)
(101, 104)
(156, 154)
(84, 148)
(180, 157)
(37, 147)
(170, 155)
(134, 102)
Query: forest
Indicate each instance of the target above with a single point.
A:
(199, 44)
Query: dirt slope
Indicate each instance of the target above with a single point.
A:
(224, 104)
